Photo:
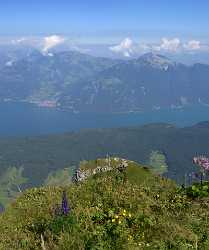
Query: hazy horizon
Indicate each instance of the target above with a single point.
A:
(121, 29)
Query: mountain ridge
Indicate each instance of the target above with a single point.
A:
(83, 83)
(128, 209)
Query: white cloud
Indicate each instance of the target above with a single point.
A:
(128, 48)
(171, 45)
(32, 41)
(192, 45)
(125, 48)
(175, 45)
(52, 41)
(18, 40)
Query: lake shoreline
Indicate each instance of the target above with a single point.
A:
(23, 119)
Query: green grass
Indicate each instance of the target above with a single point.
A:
(114, 210)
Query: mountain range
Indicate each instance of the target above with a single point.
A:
(83, 83)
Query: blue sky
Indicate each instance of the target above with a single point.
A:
(108, 19)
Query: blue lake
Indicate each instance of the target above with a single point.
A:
(17, 119)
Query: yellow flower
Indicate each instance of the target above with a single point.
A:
(124, 212)
(113, 220)
(129, 215)
(119, 222)
(130, 237)
(116, 216)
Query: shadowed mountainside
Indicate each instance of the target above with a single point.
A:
(39, 156)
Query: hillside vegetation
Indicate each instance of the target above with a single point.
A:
(129, 209)
(41, 156)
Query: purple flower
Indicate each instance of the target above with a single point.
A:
(202, 161)
(65, 206)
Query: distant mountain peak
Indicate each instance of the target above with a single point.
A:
(156, 60)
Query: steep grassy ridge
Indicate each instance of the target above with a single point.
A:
(133, 209)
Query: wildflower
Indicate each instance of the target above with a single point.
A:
(119, 222)
(202, 161)
(65, 206)
(129, 215)
(116, 216)
(130, 237)
(113, 220)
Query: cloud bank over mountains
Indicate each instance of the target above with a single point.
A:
(171, 45)
(44, 44)
(193, 45)
(187, 51)
(52, 41)
(128, 47)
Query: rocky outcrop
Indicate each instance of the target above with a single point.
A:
(82, 175)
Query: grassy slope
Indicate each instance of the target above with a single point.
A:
(131, 210)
